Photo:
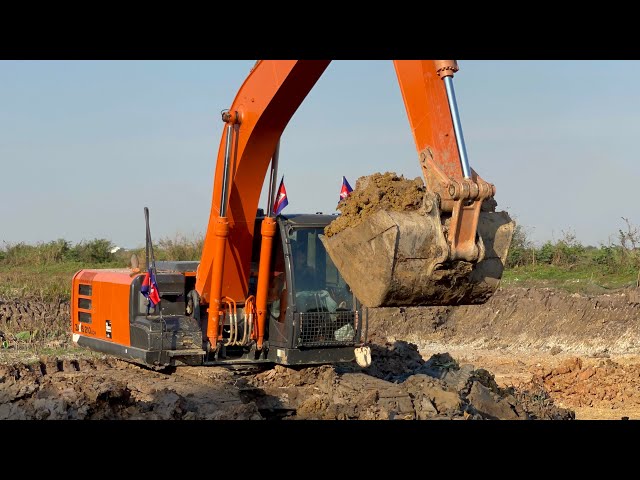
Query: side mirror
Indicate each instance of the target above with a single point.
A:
(135, 264)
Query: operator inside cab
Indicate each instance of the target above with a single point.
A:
(309, 279)
(305, 274)
(317, 284)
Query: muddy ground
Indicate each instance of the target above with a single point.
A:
(525, 354)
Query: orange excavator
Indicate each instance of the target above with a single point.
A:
(276, 289)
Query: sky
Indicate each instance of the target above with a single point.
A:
(86, 145)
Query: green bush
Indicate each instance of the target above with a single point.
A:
(179, 248)
(53, 252)
(93, 251)
(520, 251)
(40, 254)
(607, 257)
(545, 253)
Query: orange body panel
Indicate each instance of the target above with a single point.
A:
(108, 299)
(268, 230)
(425, 100)
(265, 103)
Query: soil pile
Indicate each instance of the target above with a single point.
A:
(401, 386)
(379, 191)
(27, 312)
(522, 319)
(525, 354)
(606, 384)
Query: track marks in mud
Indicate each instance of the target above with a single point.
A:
(399, 385)
(109, 389)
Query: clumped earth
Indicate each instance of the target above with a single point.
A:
(400, 385)
(397, 240)
(525, 354)
(379, 191)
(27, 313)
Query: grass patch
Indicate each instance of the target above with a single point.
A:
(581, 279)
(47, 282)
(44, 271)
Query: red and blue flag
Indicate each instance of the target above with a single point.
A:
(149, 288)
(346, 189)
(281, 198)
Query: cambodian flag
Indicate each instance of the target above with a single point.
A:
(281, 198)
(149, 288)
(346, 189)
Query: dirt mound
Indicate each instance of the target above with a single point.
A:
(34, 318)
(526, 354)
(582, 351)
(378, 191)
(607, 384)
(400, 386)
(520, 319)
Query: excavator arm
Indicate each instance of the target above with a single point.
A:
(254, 123)
(441, 149)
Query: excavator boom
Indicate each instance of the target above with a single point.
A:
(266, 101)
(416, 258)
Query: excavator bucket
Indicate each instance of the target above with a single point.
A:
(391, 249)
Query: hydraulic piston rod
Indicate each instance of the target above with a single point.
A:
(446, 69)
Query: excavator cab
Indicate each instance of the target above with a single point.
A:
(314, 317)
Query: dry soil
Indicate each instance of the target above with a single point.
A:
(526, 354)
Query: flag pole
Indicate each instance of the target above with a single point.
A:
(273, 178)
(150, 259)
(153, 282)
(147, 239)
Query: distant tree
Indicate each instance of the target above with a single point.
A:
(521, 250)
(630, 238)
